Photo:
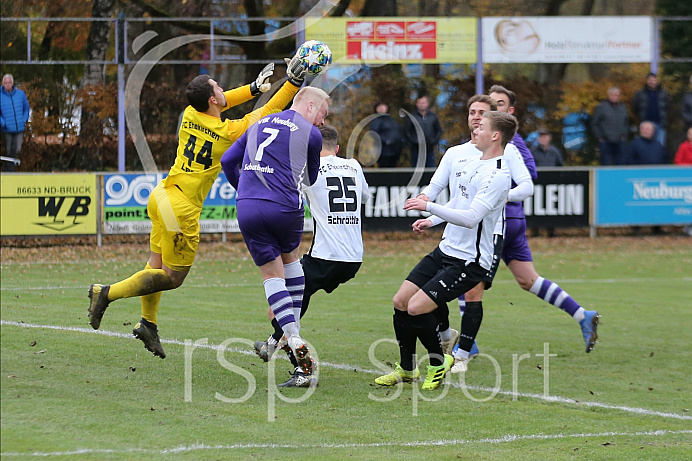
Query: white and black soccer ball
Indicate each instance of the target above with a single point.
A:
(315, 56)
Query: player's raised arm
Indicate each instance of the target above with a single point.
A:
(247, 92)
(296, 76)
(276, 104)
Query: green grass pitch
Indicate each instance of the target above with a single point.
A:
(71, 393)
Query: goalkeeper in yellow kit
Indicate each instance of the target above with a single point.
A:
(175, 204)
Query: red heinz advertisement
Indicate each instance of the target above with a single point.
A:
(391, 40)
(403, 40)
(391, 50)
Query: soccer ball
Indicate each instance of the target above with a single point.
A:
(315, 56)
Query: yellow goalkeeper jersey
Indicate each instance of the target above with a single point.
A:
(202, 140)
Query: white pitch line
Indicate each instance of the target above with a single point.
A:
(363, 283)
(347, 367)
(423, 443)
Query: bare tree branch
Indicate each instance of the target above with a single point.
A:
(340, 8)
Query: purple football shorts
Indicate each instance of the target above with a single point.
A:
(269, 228)
(515, 244)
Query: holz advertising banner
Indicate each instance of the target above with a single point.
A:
(567, 39)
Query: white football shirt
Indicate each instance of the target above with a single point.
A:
(335, 201)
(480, 182)
(448, 172)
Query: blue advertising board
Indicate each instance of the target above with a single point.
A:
(643, 196)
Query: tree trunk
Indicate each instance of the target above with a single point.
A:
(91, 128)
(428, 8)
(388, 81)
(254, 49)
(554, 73)
(97, 43)
(379, 8)
(340, 8)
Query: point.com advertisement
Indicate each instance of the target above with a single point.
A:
(125, 198)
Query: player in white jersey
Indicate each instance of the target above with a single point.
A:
(461, 260)
(448, 174)
(336, 253)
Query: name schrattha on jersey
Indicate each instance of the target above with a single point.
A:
(335, 202)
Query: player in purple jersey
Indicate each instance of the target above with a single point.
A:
(275, 156)
(516, 252)
(336, 252)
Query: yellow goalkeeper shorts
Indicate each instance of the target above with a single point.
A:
(174, 227)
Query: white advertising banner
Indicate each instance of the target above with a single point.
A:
(567, 39)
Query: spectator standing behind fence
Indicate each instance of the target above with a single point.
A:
(389, 132)
(14, 113)
(432, 131)
(544, 153)
(650, 104)
(645, 149)
(610, 124)
(686, 109)
(684, 154)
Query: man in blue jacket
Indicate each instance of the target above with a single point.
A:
(645, 149)
(14, 113)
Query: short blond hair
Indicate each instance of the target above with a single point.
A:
(311, 93)
(503, 122)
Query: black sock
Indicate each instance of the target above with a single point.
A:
(278, 332)
(406, 337)
(425, 326)
(470, 324)
(148, 324)
(442, 316)
(292, 358)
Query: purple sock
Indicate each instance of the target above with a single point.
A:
(280, 302)
(552, 293)
(295, 285)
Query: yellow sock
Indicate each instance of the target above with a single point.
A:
(150, 304)
(144, 282)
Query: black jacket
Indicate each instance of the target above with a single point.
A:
(389, 132)
(430, 125)
(640, 101)
(686, 109)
